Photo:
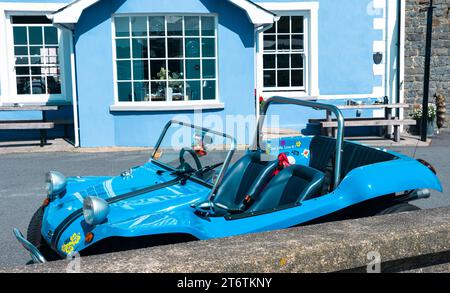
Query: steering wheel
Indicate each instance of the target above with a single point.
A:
(185, 165)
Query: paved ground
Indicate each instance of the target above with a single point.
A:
(22, 182)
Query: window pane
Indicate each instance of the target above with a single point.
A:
(141, 92)
(209, 68)
(269, 61)
(269, 78)
(22, 70)
(208, 47)
(192, 47)
(176, 70)
(297, 77)
(51, 54)
(283, 25)
(124, 70)
(283, 61)
(158, 69)
(176, 90)
(271, 30)
(123, 49)
(38, 85)
(140, 70)
(175, 47)
(193, 90)
(191, 24)
(37, 70)
(35, 35)
(158, 91)
(283, 78)
(269, 43)
(53, 85)
(23, 85)
(158, 48)
(193, 69)
(30, 19)
(209, 90)
(122, 26)
(208, 26)
(139, 26)
(36, 51)
(283, 42)
(296, 61)
(157, 25)
(20, 35)
(20, 50)
(124, 91)
(21, 60)
(297, 42)
(140, 48)
(36, 60)
(297, 24)
(51, 36)
(174, 25)
(53, 70)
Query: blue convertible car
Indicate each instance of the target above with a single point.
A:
(193, 189)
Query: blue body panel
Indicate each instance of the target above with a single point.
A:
(168, 210)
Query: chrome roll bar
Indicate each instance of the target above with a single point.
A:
(331, 108)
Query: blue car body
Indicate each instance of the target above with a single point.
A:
(169, 210)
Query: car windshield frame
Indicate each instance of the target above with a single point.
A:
(225, 164)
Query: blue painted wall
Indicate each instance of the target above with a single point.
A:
(99, 126)
(346, 38)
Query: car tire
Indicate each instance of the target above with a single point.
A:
(34, 235)
(398, 208)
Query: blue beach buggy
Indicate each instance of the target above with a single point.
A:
(193, 189)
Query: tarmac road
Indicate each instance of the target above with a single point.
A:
(22, 183)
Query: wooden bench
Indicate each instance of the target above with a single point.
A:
(42, 125)
(330, 125)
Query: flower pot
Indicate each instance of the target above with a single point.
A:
(430, 128)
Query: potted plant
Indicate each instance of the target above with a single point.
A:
(417, 115)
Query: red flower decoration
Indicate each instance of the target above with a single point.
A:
(261, 99)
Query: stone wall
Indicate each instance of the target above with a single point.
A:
(416, 19)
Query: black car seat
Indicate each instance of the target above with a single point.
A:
(291, 185)
(239, 179)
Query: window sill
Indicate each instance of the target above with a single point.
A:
(289, 94)
(155, 106)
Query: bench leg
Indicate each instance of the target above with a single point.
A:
(43, 137)
(396, 133)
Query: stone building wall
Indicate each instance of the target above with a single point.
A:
(416, 19)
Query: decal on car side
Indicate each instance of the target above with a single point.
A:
(69, 245)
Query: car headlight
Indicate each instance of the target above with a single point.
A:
(55, 183)
(95, 210)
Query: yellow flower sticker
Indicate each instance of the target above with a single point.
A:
(69, 246)
(298, 144)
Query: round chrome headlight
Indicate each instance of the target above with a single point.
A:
(55, 183)
(95, 210)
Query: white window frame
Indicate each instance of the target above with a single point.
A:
(304, 53)
(309, 10)
(8, 86)
(167, 105)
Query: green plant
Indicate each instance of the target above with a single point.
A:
(417, 112)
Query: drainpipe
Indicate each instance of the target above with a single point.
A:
(399, 50)
(74, 91)
(74, 82)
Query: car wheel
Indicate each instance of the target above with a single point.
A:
(398, 208)
(34, 235)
